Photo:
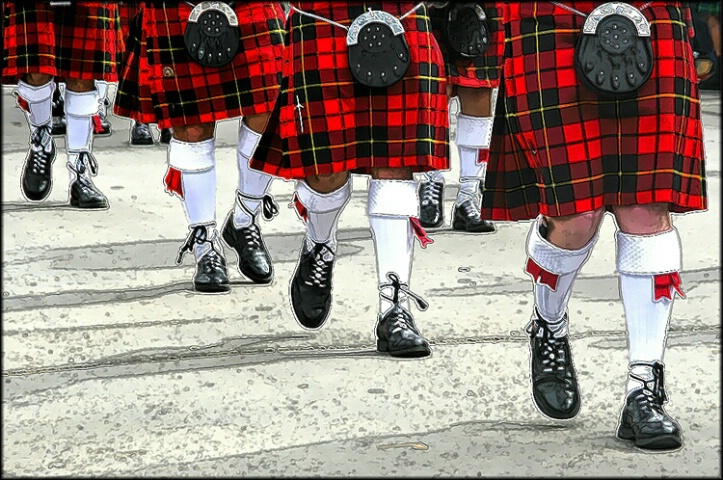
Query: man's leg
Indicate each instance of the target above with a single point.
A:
(649, 260)
(192, 176)
(392, 209)
(81, 103)
(319, 201)
(35, 98)
(474, 133)
(241, 231)
(557, 248)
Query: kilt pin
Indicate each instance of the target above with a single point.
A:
(563, 155)
(474, 82)
(162, 83)
(79, 44)
(326, 123)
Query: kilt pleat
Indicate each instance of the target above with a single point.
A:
(81, 41)
(558, 149)
(183, 92)
(326, 122)
(481, 72)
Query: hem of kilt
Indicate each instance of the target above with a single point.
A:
(11, 76)
(459, 81)
(677, 203)
(298, 173)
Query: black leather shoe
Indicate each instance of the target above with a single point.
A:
(211, 274)
(643, 419)
(254, 261)
(83, 193)
(37, 176)
(466, 218)
(311, 285)
(430, 204)
(166, 135)
(141, 134)
(554, 383)
(396, 332)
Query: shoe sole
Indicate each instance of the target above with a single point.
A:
(142, 144)
(460, 228)
(211, 288)
(415, 352)
(89, 206)
(660, 442)
(253, 278)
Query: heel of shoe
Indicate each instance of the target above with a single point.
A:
(625, 432)
(382, 346)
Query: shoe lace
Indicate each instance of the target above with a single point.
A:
(399, 316)
(269, 208)
(554, 355)
(143, 128)
(199, 236)
(470, 207)
(40, 157)
(320, 268)
(430, 192)
(86, 161)
(652, 396)
(251, 235)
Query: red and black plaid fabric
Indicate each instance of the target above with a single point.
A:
(184, 92)
(127, 11)
(558, 149)
(481, 72)
(326, 122)
(79, 41)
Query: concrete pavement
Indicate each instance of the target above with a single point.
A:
(112, 367)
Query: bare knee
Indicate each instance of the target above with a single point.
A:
(79, 86)
(643, 219)
(193, 133)
(384, 173)
(327, 183)
(257, 123)
(574, 231)
(476, 102)
(37, 79)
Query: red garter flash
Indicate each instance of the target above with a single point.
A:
(540, 275)
(300, 208)
(22, 103)
(174, 182)
(97, 124)
(666, 284)
(484, 155)
(420, 232)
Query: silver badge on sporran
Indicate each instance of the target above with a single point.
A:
(467, 31)
(212, 34)
(614, 54)
(378, 52)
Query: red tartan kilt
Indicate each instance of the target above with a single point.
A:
(326, 122)
(178, 91)
(64, 42)
(482, 72)
(127, 11)
(593, 153)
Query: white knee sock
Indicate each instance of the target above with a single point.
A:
(553, 270)
(321, 211)
(79, 110)
(252, 184)
(473, 134)
(649, 268)
(391, 204)
(36, 103)
(192, 176)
